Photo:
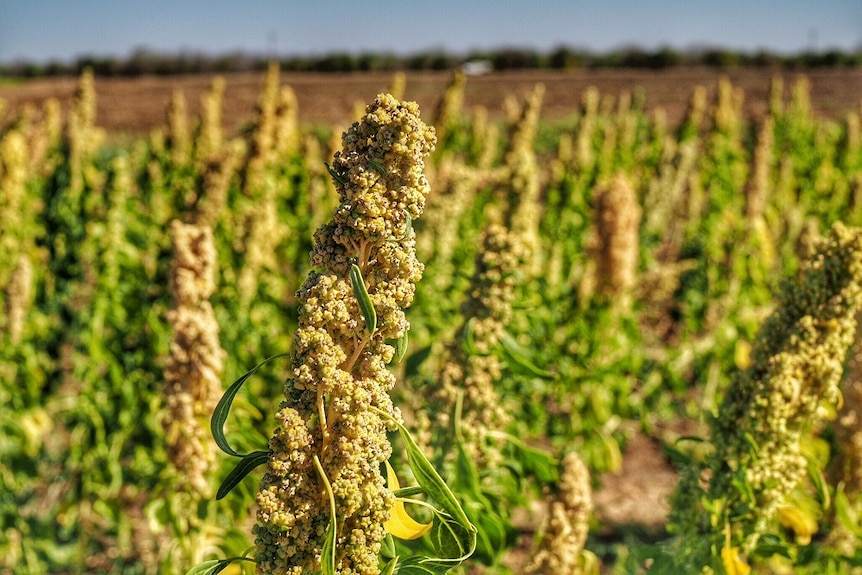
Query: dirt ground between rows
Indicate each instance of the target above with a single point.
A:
(134, 106)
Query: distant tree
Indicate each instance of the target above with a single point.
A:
(719, 58)
(563, 58)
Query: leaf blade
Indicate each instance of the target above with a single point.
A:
(246, 465)
(222, 409)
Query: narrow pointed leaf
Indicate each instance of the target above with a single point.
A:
(246, 465)
(365, 303)
(335, 175)
(378, 166)
(223, 408)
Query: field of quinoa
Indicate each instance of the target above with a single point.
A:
(583, 322)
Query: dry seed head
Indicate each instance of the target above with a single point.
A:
(264, 232)
(194, 367)
(19, 294)
(696, 109)
(179, 139)
(616, 251)
(758, 184)
(287, 133)
(590, 106)
(209, 138)
(566, 528)
(339, 369)
(776, 96)
(218, 171)
(800, 98)
(13, 175)
(852, 139)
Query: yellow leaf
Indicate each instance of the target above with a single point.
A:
(400, 524)
(732, 563)
(802, 524)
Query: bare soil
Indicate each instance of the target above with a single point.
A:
(134, 106)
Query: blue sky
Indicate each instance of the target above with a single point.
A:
(40, 30)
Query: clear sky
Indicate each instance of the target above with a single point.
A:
(41, 30)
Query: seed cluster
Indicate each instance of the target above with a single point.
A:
(567, 526)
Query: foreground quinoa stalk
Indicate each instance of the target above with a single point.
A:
(339, 356)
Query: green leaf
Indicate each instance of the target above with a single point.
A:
(819, 482)
(205, 568)
(327, 553)
(377, 166)
(223, 408)
(469, 342)
(541, 464)
(245, 466)
(515, 352)
(424, 566)
(451, 539)
(406, 492)
(845, 514)
(335, 175)
(387, 547)
(365, 303)
(400, 345)
(417, 358)
(390, 567)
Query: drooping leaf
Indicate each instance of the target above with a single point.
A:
(417, 358)
(400, 523)
(434, 486)
(223, 408)
(520, 358)
(365, 303)
(246, 465)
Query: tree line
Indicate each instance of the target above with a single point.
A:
(148, 62)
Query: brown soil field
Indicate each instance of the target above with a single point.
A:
(134, 106)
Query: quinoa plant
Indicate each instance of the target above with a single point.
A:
(323, 505)
(733, 504)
